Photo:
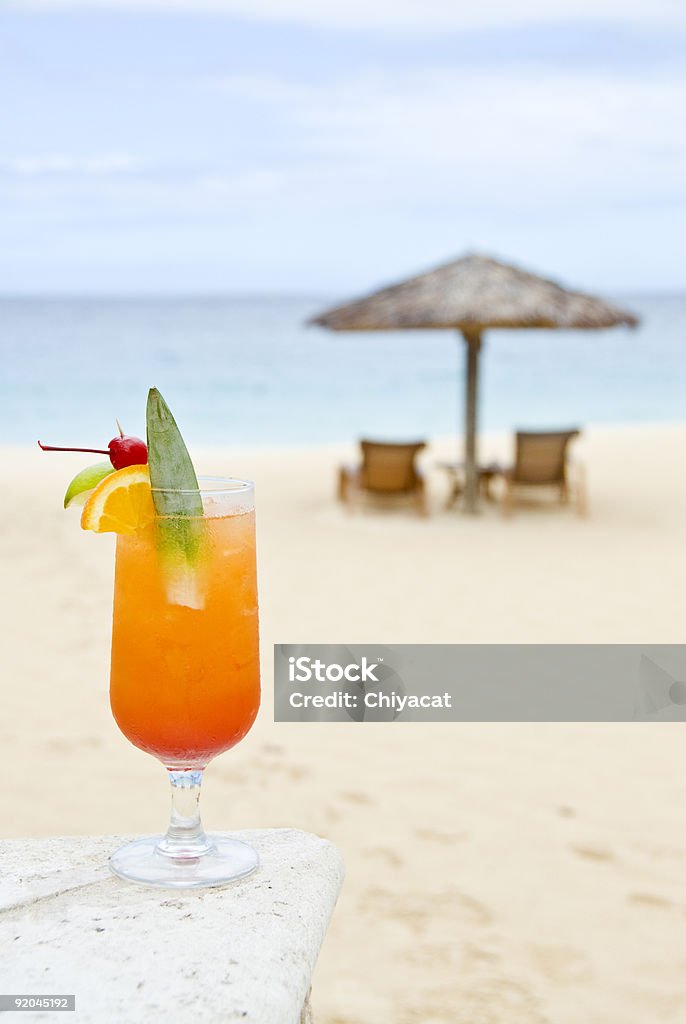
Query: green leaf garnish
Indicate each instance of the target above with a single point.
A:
(175, 491)
(175, 485)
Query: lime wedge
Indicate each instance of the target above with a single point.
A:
(80, 488)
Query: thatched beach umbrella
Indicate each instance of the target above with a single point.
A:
(470, 295)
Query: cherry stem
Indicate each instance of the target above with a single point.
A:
(52, 448)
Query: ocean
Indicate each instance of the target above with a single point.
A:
(247, 370)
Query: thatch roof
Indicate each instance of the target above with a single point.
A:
(474, 292)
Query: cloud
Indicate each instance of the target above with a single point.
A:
(398, 15)
(513, 139)
(62, 165)
(507, 136)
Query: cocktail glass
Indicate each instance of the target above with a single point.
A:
(185, 682)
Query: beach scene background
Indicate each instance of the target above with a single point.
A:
(182, 186)
(248, 370)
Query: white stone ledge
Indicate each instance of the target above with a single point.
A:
(129, 953)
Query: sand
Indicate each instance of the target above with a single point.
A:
(496, 874)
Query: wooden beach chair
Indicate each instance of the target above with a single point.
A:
(387, 472)
(541, 461)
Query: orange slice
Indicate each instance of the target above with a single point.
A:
(121, 503)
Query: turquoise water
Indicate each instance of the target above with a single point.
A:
(247, 370)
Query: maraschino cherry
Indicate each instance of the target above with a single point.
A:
(122, 450)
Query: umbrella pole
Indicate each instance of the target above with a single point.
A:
(472, 339)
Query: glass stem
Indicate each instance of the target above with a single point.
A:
(185, 836)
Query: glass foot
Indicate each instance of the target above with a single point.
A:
(224, 861)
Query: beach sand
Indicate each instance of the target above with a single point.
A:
(496, 874)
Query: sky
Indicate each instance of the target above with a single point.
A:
(174, 146)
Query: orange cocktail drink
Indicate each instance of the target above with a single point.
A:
(185, 680)
(185, 675)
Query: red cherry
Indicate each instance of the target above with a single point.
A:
(122, 450)
(127, 451)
